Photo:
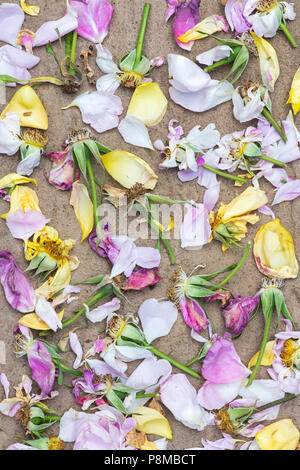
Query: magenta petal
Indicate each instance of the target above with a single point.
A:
(94, 19)
(24, 224)
(186, 17)
(222, 364)
(142, 278)
(61, 173)
(238, 311)
(194, 315)
(43, 369)
(17, 288)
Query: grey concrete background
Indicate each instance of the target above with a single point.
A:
(55, 204)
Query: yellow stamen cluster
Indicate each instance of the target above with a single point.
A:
(116, 326)
(56, 444)
(47, 241)
(178, 286)
(266, 5)
(289, 352)
(35, 137)
(131, 79)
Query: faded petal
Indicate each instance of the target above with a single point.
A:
(101, 313)
(9, 131)
(76, 348)
(214, 55)
(23, 225)
(48, 31)
(15, 62)
(11, 21)
(194, 315)
(94, 18)
(287, 192)
(43, 369)
(46, 312)
(83, 208)
(157, 318)
(214, 396)
(134, 132)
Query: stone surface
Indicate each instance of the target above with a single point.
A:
(55, 204)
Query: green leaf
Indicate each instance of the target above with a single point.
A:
(200, 281)
(213, 275)
(286, 313)
(198, 292)
(93, 148)
(50, 50)
(80, 155)
(267, 301)
(239, 64)
(115, 401)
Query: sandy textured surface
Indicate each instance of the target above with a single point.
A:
(55, 204)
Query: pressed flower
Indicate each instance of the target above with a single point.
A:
(29, 9)
(269, 64)
(274, 251)
(151, 421)
(186, 16)
(17, 287)
(11, 20)
(94, 18)
(230, 224)
(148, 103)
(129, 169)
(29, 107)
(282, 435)
(83, 208)
(294, 98)
(24, 217)
(207, 27)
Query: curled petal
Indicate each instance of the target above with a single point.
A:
(194, 315)
(213, 55)
(13, 179)
(83, 207)
(151, 421)
(29, 9)
(43, 369)
(101, 313)
(32, 321)
(62, 171)
(210, 25)
(76, 348)
(282, 435)
(46, 313)
(269, 64)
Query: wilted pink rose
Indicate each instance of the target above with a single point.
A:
(194, 315)
(61, 173)
(238, 311)
(43, 369)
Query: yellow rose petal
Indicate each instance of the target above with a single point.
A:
(269, 64)
(268, 356)
(22, 198)
(29, 9)
(148, 103)
(274, 251)
(56, 283)
(282, 435)
(152, 421)
(83, 207)
(29, 107)
(208, 26)
(294, 97)
(128, 169)
(31, 320)
(248, 201)
(13, 179)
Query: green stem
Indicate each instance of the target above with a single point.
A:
(147, 395)
(142, 32)
(236, 269)
(173, 362)
(67, 369)
(220, 63)
(222, 173)
(73, 47)
(272, 160)
(262, 348)
(196, 359)
(106, 291)
(266, 114)
(275, 403)
(288, 34)
(94, 196)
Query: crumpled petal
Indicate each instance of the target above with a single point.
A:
(246, 112)
(43, 369)
(76, 348)
(11, 20)
(94, 18)
(61, 173)
(210, 25)
(31, 10)
(157, 318)
(234, 12)
(213, 55)
(99, 110)
(194, 315)
(83, 208)
(46, 312)
(134, 132)
(101, 313)
(9, 132)
(186, 17)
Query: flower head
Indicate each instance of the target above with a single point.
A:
(238, 311)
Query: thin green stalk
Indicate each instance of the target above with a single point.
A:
(220, 63)
(262, 348)
(236, 269)
(288, 34)
(94, 196)
(266, 114)
(142, 32)
(174, 363)
(272, 160)
(73, 47)
(196, 359)
(106, 291)
(67, 369)
(275, 403)
(147, 395)
(222, 173)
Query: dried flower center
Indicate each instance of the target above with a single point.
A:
(254, 86)
(35, 137)
(56, 444)
(223, 421)
(178, 286)
(289, 352)
(78, 135)
(116, 326)
(268, 283)
(135, 192)
(23, 415)
(266, 5)
(131, 79)
(248, 40)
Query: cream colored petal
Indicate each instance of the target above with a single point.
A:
(35, 323)
(152, 421)
(56, 283)
(268, 356)
(128, 169)
(269, 63)
(148, 103)
(13, 179)
(83, 207)
(248, 201)
(282, 435)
